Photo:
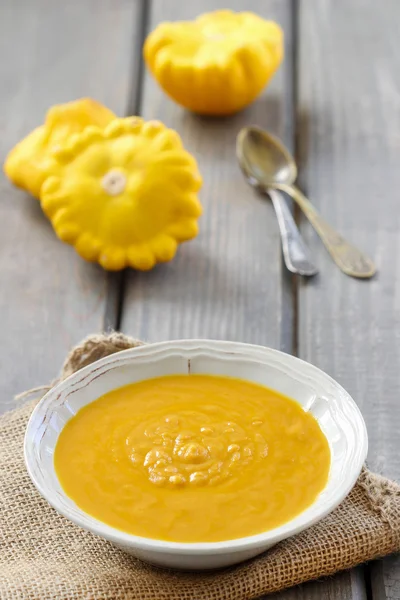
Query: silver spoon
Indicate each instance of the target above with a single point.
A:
(269, 162)
(295, 252)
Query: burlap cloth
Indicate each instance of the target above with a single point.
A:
(44, 556)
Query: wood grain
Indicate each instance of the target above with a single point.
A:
(385, 579)
(349, 147)
(229, 282)
(51, 52)
(344, 586)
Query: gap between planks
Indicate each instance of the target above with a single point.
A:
(116, 281)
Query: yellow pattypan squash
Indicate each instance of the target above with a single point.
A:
(124, 195)
(31, 160)
(217, 64)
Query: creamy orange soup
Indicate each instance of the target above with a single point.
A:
(193, 458)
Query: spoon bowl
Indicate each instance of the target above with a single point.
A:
(265, 158)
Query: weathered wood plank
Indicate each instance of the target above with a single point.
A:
(349, 101)
(227, 283)
(385, 579)
(51, 52)
(344, 586)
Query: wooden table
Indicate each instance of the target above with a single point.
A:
(335, 102)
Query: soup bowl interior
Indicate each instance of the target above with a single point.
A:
(336, 412)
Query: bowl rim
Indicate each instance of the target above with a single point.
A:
(263, 539)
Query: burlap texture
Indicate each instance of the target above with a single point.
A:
(44, 556)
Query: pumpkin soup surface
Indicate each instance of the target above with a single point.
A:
(192, 458)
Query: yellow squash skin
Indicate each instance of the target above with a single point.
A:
(31, 160)
(124, 196)
(217, 64)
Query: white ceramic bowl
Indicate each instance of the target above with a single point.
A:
(334, 409)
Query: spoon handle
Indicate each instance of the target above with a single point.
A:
(295, 252)
(350, 260)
